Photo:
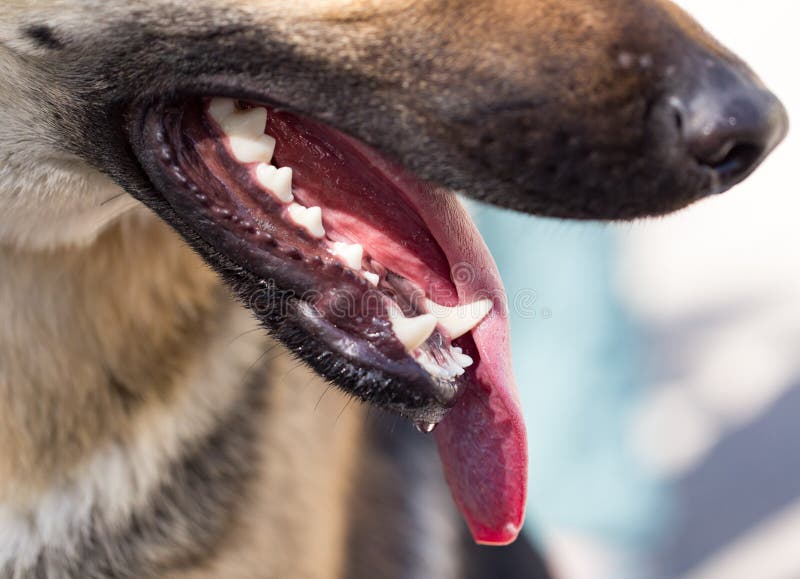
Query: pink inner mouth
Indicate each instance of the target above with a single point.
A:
(359, 205)
(415, 232)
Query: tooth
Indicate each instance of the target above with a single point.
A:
(463, 360)
(245, 130)
(412, 332)
(309, 218)
(351, 253)
(249, 123)
(220, 108)
(278, 181)
(372, 278)
(459, 320)
(252, 149)
(431, 366)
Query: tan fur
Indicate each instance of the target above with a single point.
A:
(140, 306)
(295, 524)
(134, 306)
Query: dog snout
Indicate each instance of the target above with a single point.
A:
(728, 123)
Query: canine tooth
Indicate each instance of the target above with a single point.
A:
(372, 278)
(278, 181)
(249, 123)
(252, 149)
(309, 218)
(351, 253)
(412, 332)
(459, 320)
(221, 108)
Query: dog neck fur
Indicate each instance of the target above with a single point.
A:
(106, 374)
(121, 360)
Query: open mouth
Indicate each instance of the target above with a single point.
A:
(378, 280)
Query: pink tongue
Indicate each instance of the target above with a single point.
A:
(483, 450)
(482, 441)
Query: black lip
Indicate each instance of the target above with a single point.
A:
(267, 283)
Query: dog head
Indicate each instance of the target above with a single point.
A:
(587, 109)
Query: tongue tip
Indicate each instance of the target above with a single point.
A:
(497, 537)
(483, 447)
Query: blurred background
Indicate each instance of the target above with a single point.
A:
(658, 362)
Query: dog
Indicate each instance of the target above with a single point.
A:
(176, 178)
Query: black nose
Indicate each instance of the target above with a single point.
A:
(730, 123)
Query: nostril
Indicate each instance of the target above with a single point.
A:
(735, 164)
(729, 131)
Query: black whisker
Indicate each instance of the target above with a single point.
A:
(114, 198)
